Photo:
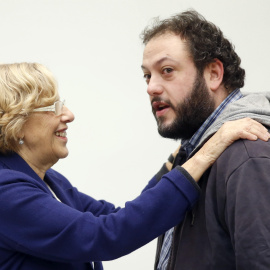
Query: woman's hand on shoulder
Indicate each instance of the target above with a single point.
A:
(229, 132)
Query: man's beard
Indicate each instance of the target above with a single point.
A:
(190, 114)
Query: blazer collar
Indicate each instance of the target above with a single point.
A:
(16, 162)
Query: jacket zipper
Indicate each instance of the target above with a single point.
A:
(172, 257)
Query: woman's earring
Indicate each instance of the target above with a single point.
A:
(21, 141)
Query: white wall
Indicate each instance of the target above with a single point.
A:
(94, 50)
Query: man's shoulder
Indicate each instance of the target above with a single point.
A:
(243, 149)
(239, 153)
(257, 149)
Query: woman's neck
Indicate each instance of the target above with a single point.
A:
(38, 165)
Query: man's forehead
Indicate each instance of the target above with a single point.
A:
(162, 48)
(160, 60)
(167, 41)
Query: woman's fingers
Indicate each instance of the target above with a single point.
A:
(245, 128)
(229, 132)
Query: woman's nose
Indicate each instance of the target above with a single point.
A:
(67, 115)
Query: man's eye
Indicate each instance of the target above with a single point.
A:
(147, 77)
(167, 70)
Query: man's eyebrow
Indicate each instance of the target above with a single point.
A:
(160, 61)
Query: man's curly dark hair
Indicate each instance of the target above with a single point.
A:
(205, 42)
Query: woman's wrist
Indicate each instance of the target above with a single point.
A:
(197, 165)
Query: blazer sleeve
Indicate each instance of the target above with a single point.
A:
(156, 178)
(86, 203)
(33, 222)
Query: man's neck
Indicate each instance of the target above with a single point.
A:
(193, 142)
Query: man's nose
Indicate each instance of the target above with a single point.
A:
(154, 87)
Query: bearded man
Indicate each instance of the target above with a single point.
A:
(193, 78)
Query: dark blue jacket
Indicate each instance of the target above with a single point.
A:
(38, 232)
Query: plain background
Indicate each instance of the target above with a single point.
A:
(94, 50)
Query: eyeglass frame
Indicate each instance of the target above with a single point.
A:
(52, 108)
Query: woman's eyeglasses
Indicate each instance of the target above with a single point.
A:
(56, 108)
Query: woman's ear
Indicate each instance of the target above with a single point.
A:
(214, 74)
(20, 135)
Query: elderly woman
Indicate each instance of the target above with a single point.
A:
(46, 223)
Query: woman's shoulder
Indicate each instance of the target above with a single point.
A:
(16, 181)
(55, 176)
(10, 175)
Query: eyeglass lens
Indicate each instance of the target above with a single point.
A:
(58, 107)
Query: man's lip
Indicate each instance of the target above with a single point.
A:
(160, 108)
(159, 105)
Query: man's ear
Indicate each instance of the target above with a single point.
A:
(214, 74)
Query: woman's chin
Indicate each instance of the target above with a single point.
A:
(63, 155)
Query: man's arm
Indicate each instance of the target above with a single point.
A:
(246, 171)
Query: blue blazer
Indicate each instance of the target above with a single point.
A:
(38, 232)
